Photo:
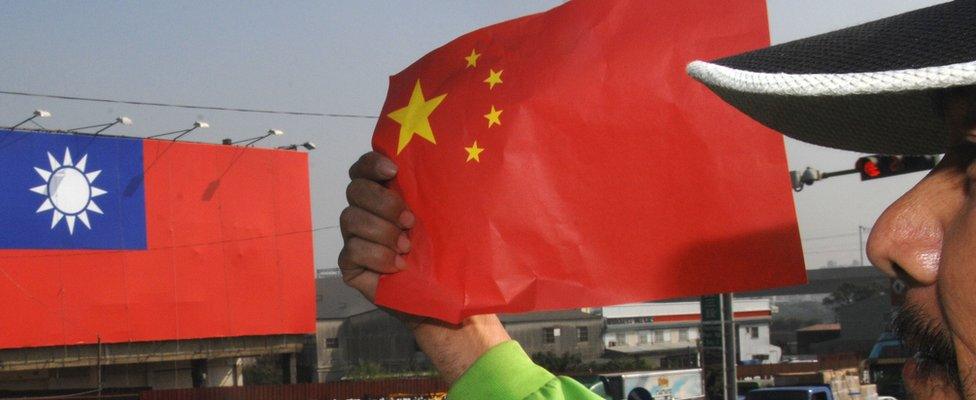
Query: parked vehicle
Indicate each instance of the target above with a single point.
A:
(791, 393)
(683, 384)
(884, 364)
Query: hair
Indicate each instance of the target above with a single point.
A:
(940, 98)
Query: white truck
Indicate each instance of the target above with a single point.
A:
(684, 384)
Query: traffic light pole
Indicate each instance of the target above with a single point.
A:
(811, 175)
(870, 167)
(826, 175)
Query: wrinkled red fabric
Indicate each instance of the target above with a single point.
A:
(612, 178)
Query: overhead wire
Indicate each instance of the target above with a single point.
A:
(840, 235)
(187, 106)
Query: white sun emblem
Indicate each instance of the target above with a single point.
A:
(69, 191)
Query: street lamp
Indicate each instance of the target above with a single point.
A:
(253, 140)
(182, 132)
(120, 120)
(307, 145)
(37, 114)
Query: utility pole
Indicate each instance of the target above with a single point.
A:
(860, 236)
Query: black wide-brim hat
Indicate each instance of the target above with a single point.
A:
(873, 88)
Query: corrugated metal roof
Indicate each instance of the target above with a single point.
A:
(820, 327)
(335, 300)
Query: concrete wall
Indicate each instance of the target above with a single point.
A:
(377, 337)
(751, 348)
(374, 337)
(531, 335)
(225, 372)
(331, 361)
(163, 375)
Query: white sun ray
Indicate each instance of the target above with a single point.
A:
(57, 217)
(94, 207)
(45, 175)
(81, 163)
(67, 158)
(41, 190)
(54, 163)
(71, 223)
(92, 175)
(83, 217)
(46, 205)
(95, 192)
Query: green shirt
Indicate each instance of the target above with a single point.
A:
(506, 373)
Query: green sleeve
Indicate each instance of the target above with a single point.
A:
(506, 373)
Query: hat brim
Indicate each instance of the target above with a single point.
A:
(889, 112)
(872, 88)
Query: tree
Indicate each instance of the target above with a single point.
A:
(566, 362)
(264, 371)
(849, 293)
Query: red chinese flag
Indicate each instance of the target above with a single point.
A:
(564, 159)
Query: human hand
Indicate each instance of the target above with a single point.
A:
(373, 226)
(374, 231)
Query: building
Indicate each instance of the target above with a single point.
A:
(802, 305)
(353, 335)
(130, 367)
(668, 332)
(813, 334)
(558, 332)
(861, 324)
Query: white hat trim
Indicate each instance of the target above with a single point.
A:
(944, 76)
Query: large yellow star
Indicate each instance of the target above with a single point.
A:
(494, 117)
(472, 59)
(413, 118)
(494, 78)
(473, 152)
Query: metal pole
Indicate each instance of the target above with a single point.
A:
(98, 363)
(860, 238)
(826, 175)
(729, 331)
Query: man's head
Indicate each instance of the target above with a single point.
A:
(902, 85)
(927, 238)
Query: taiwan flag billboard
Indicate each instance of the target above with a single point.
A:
(123, 239)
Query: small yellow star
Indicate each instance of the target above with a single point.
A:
(494, 78)
(414, 118)
(473, 152)
(494, 117)
(473, 59)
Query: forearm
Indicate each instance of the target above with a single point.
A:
(453, 348)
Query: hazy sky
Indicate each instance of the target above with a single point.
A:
(335, 57)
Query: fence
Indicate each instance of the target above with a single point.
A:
(386, 389)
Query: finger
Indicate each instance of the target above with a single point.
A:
(380, 201)
(373, 166)
(360, 253)
(355, 221)
(366, 283)
(363, 280)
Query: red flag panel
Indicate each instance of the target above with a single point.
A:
(228, 253)
(564, 159)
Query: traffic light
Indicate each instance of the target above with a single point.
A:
(882, 166)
